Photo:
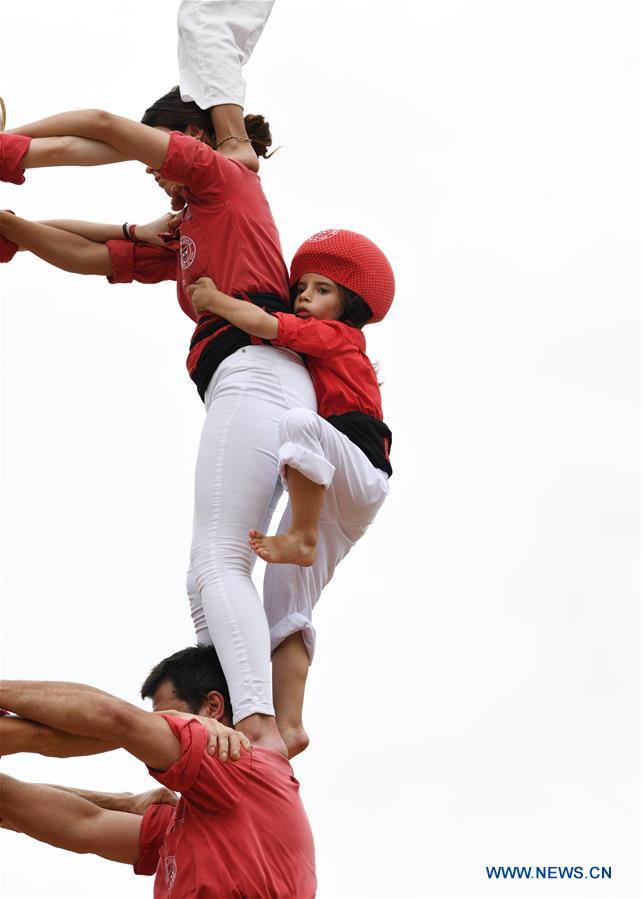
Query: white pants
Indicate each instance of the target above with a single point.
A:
(355, 491)
(236, 489)
(215, 40)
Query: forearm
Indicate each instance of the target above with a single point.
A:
(66, 250)
(73, 708)
(116, 802)
(243, 315)
(132, 803)
(129, 140)
(39, 811)
(21, 735)
(71, 138)
(79, 151)
(68, 821)
(96, 231)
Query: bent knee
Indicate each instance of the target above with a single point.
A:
(297, 421)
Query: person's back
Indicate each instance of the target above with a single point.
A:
(240, 828)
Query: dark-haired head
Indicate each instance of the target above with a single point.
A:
(169, 111)
(192, 674)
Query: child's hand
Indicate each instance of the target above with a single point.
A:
(202, 292)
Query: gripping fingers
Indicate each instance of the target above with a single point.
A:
(223, 746)
(237, 742)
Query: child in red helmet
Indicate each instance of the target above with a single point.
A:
(335, 464)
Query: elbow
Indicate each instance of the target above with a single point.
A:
(119, 720)
(100, 123)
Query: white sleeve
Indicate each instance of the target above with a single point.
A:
(215, 39)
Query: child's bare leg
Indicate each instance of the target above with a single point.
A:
(299, 545)
(290, 664)
(229, 125)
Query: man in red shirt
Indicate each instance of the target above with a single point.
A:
(239, 828)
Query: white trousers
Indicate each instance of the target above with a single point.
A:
(236, 489)
(215, 40)
(355, 491)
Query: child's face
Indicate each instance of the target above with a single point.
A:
(318, 297)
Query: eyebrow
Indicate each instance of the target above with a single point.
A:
(324, 282)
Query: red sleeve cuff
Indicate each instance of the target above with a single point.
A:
(122, 261)
(12, 149)
(287, 324)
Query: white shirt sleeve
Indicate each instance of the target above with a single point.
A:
(215, 40)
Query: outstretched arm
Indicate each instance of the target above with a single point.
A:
(246, 316)
(87, 712)
(130, 140)
(134, 803)
(65, 250)
(68, 821)
(20, 735)
(152, 232)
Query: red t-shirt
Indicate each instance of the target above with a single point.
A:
(239, 829)
(227, 232)
(343, 377)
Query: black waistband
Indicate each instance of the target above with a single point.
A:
(373, 437)
(230, 339)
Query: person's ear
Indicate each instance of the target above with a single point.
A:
(214, 705)
(194, 131)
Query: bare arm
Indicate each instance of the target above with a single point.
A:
(65, 250)
(101, 232)
(68, 821)
(96, 231)
(246, 316)
(88, 712)
(129, 139)
(20, 735)
(134, 803)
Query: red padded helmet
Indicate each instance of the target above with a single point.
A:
(351, 260)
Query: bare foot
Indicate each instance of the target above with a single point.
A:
(293, 548)
(295, 738)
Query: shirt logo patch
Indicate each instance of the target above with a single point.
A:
(188, 251)
(170, 872)
(322, 235)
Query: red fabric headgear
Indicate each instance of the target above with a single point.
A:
(351, 260)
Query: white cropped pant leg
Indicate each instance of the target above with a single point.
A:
(236, 480)
(215, 40)
(355, 491)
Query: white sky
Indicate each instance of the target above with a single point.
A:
(475, 696)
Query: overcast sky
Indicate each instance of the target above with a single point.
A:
(475, 695)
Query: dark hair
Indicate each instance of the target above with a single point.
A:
(171, 112)
(193, 672)
(355, 309)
